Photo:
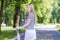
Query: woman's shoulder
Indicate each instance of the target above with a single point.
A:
(31, 14)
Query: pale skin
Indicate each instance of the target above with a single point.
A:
(26, 24)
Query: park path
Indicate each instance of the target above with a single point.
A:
(45, 34)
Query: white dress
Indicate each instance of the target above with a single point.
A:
(30, 34)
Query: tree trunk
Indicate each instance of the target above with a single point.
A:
(17, 13)
(1, 13)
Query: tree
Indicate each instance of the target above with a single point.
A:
(18, 9)
(17, 13)
(43, 8)
(9, 9)
(1, 13)
(54, 13)
(58, 19)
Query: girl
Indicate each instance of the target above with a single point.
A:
(30, 33)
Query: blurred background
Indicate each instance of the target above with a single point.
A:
(46, 12)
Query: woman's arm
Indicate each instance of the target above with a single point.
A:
(26, 24)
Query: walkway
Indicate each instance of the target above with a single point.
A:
(46, 34)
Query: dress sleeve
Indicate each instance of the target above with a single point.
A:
(30, 16)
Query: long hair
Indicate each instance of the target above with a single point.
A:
(32, 7)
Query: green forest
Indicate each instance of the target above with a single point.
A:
(46, 11)
(14, 11)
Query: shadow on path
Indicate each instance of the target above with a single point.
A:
(45, 35)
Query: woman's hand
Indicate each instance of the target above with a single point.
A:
(21, 27)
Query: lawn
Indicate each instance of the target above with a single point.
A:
(58, 28)
(8, 33)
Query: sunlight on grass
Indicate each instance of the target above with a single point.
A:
(7, 28)
(8, 33)
(58, 28)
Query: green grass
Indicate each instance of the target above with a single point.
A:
(58, 28)
(8, 33)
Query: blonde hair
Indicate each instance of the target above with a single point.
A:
(32, 7)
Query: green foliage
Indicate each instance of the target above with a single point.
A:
(8, 33)
(58, 27)
(9, 13)
(0, 4)
(44, 9)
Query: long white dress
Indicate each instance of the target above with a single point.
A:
(30, 33)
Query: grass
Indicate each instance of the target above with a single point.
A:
(8, 33)
(58, 28)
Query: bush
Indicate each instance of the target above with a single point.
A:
(58, 28)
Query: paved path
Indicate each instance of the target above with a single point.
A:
(46, 27)
(45, 35)
(48, 35)
(46, 32)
